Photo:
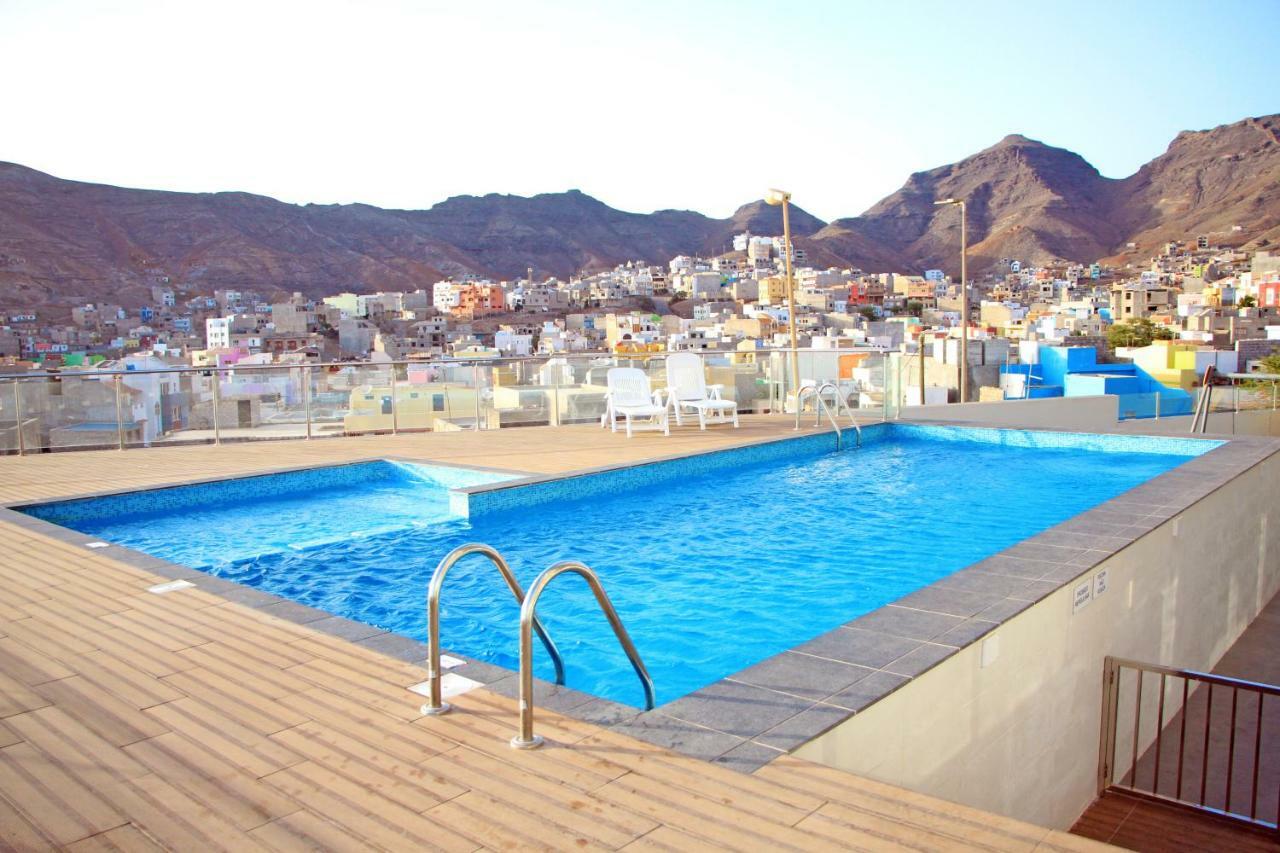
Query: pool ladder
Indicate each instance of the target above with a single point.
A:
(822, 408)
(529, 623)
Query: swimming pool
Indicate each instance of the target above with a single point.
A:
(714, 562)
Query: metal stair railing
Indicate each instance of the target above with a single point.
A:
(435, 704)
(1204, 745)
(526, 739)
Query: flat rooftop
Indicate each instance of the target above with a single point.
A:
(192, 720)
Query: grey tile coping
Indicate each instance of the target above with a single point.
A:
(966, 632)
(750, 717)
(906, 622)
(736, 708)
(396, 646)
(346, 629)
(292, 611)
(855, 645)
(748, 757)
(915, 662)
(952, 602)
(803, 727)
(658, 729)
(799, 675)
(870, 689)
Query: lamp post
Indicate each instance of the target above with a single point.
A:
(964, 298)
(782, 197)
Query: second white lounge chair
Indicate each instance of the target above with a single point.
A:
(630, 398)
(687, 390)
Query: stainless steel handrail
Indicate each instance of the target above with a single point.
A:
(818, 412)
(435, 704)
(437, 360)
(526, 739)
(838, 396)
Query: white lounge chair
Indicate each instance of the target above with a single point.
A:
(687, 390)
(630, 398)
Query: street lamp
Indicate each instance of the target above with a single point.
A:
(964, 298)
(782, 197)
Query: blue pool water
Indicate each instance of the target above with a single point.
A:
(710, 572)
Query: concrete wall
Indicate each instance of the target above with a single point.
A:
(1090, 414)
(1020, 736)
(1066, 413)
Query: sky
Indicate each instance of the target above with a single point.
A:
(644, 105)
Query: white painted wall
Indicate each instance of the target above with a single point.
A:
(1066, 413)
(1020, 736)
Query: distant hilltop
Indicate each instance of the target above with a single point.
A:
(64, 239)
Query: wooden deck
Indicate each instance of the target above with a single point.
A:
(130, 720)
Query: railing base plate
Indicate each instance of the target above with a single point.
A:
(518, 742)
(429, 711)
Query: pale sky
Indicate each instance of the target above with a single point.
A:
(644, 105)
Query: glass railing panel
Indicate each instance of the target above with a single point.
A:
(82, 412)
(523, 392)
(580, 383)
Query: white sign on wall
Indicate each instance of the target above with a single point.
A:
(1082, 595)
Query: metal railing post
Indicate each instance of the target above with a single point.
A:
(17, 417)
(306, 396)
(1107, 735)
(555, 419)
(1157, 405)
(475, 384)
(119, 417)
(217, 407)
(395, 414)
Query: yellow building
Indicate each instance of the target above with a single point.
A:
(773, 290)
(1171, 363)
(425, 406)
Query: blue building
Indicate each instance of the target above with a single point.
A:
(1076, 372)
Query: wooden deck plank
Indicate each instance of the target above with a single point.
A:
(100, 710)
(304, 831)
(58, 803)
(175, 820)
(207, 777)
(363, 813)
(257, 754)
(122, 839)
(413, 786)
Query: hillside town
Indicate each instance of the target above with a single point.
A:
(1145, 335)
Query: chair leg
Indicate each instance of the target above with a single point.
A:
(702, 419)
(628, 425)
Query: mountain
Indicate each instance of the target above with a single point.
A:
(64, 241)
(1034, 202)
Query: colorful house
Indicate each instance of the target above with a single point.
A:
(1076, 372)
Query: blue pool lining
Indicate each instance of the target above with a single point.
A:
(277, 482)
(471, 502)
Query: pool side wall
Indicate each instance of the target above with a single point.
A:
(1020, 736)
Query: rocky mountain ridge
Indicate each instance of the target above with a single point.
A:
(65, 241)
